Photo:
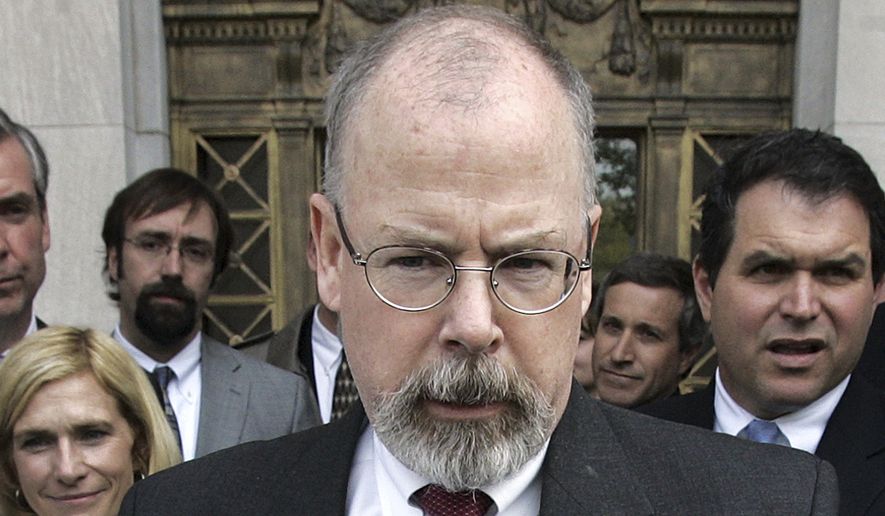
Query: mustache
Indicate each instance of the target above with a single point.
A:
(168, 288)
(466, 380)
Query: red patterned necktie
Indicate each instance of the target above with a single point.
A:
(436, 501)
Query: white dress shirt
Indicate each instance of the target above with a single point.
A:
(803, 428)
(327, 354)
(184, 390)
(380, 485)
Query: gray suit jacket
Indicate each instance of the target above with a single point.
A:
(601, 460)
(244, 399)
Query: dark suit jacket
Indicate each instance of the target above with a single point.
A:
(291, 348)
(601, 460)
(872, 362)
(853, 442)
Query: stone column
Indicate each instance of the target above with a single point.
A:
(88, 77)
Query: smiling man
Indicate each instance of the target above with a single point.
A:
(454, 240)
(167, 238)
(789, 272)
(24, 230)
(650, 330)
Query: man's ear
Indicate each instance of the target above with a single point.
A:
(594, 214)
(113, 264)
(45, 236)
(687, 358)
(329, 251)
(703, 288)
(880, 290)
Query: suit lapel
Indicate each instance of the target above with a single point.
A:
(223, 399)
(287, 349)
(854, 442)
(586, 470)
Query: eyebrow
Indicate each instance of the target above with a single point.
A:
(414, 237)
(19, 197)
(77, 427)
(166, 237)
(762, 257)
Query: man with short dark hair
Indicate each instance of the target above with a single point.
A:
(789, 272)
(24, 230)
(649, 329)
(167, 238)
(454, 241)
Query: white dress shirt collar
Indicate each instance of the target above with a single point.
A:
(381, 485)
(184, 390)
(804, 428)
(326, 359)
(182, 364)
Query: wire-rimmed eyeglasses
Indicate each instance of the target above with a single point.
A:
(414, 279)
(156, 248)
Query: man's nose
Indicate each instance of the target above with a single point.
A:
(622, 352)
(172, 262)
(470, 319)
(801, 301)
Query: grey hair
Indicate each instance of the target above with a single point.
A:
(352, 80)
(39, 165)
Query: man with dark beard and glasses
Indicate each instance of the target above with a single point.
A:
(454, 240)
(167, 237)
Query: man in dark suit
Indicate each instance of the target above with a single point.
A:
(309, 346)
(454, 241)
(167, 238)
(788, 273)
(872, 361)
(24, 230)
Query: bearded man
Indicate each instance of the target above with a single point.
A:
(454, 240)
(167, 237)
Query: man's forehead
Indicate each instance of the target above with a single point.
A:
(195, 211)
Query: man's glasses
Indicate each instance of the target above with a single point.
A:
(417, 278)
(156, 248)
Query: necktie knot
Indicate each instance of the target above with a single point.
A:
(164, 375)
(761, 431)
(436, 501)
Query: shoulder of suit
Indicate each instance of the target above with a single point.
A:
(256, 367)
(255, 341)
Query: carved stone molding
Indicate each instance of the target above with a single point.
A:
(737, 29)
(234, 31)
(582, 11)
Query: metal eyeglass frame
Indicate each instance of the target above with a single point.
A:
(583, 265)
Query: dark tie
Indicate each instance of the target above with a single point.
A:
(163, 375)
(345, 390)
(764, 432)
(436, 501)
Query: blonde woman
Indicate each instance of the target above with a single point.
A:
(79, 423)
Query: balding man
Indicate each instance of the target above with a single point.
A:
(24, 230)
(454, 241)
